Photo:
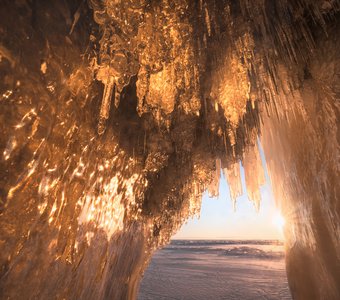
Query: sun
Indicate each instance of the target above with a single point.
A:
(279, 221)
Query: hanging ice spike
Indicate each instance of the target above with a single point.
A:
(105, 106)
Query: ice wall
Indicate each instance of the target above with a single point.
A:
(117, 115)
(303, 158)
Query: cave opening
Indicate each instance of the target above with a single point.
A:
(226, 239)
(222, 217)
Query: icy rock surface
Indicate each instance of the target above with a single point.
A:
(116, 116)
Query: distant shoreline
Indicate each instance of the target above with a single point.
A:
(229, 241)
(224, 239)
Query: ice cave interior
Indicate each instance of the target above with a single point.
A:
(116, 115)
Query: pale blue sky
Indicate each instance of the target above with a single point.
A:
(219, 221)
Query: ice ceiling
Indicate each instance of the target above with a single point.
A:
(116, 115)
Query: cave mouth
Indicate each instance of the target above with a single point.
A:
(222, 217)
(221, 251)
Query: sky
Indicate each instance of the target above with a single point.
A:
(218, 220)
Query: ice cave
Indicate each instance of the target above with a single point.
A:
(116, 115)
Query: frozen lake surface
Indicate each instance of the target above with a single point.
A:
(229, 270)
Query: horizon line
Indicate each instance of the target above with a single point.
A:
(225, 238)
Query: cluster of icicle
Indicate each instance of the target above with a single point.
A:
(90, 189)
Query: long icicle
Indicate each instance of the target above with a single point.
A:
(105, 106)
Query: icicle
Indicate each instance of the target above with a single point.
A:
(233, 177)
(106, 103)
(215, 183)
(254, 175)
(117, 97)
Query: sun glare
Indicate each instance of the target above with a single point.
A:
(279, 221)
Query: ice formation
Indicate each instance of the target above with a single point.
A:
(117, 114)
